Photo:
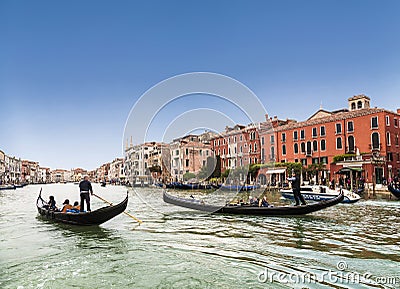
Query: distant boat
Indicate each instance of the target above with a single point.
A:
(189, 186)
(321, 193)
(394, 191)
(7, 187)
(251, 210)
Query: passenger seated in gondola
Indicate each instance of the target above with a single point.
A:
(76, 206)
(263, 202)
(254, 201)
(51, 204)
(75, 209)
(67, 206)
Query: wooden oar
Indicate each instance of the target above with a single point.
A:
(133, 217)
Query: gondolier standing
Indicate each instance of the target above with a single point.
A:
(298, 197)
(85, 187)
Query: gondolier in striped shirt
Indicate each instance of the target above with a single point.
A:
(85, 187)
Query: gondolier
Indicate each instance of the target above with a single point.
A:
(298, 197)
(85, 187)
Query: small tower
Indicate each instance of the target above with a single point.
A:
(357, 102)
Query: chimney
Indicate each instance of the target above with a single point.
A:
(398, 111)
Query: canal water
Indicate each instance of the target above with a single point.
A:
(346, 246)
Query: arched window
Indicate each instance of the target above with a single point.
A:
(388, 141)
(359, 104)
(283, 149)
(315, 146)
(375, 140)
(339, 145)
(303, 147)
(255, 147)
(350, 141)
(296, 148)
(323, 145)
(308, 148)
(353, 106)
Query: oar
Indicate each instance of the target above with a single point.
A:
(105, 201)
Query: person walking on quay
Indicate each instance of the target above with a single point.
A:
(298, 197)
(85, 187)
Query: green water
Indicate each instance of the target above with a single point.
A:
(179, 248)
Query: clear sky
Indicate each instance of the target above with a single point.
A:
(70, 71)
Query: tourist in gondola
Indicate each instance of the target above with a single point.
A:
(298, 197)
(264, 202)
(51, 204)
(67, 206)
(85, 187)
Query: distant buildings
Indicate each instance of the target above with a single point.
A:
(357, 143)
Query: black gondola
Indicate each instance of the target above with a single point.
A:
(252, 210)
(394, 191)
(96, 217)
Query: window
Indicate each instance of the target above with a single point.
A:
(224, 151)
(396, 122)
(241, 138)
(201, 152)
(323, 145)
(324, 160)
(302, 134)
(303, 147)
(177, 152)
(390, 157)
(272, 139)
(309, 151)
(187, 163)
(314, 132)
(350, 126)
(249, 148)
(304, 162)
(315, 146)
(295, 135)
(234, 139)
(241, 149)
(374, 122)
(296, 148)
(396, 140)
(322, 131)
(187, 151)
(283, 149)
(224, 141)
(375, 140)
(283, 137)
(235, 150)
(339, 145)
(350, 141)
(229, 151)
(272, 153)
(388, 138)
(215, 143)
(359, 104)
(338, 128)
(262, 141)
(315, 160)
(353, 106)
(255, 147)
(262, 154)
(387, 120)
(219, 142)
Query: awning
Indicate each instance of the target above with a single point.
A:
(349, 169)
(275, 171)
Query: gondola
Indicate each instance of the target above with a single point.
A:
(252, 210)
(96, 217)
(7, 187)
(394, 191)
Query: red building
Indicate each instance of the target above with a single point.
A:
(358, 139)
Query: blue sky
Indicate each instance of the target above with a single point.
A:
(70, 71)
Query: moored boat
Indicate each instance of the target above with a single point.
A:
(321, 193)
(395, 192)
(96, 217)
(251, 210)
(7, 187)
(239, 188)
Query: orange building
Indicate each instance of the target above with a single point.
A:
(358, 142)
